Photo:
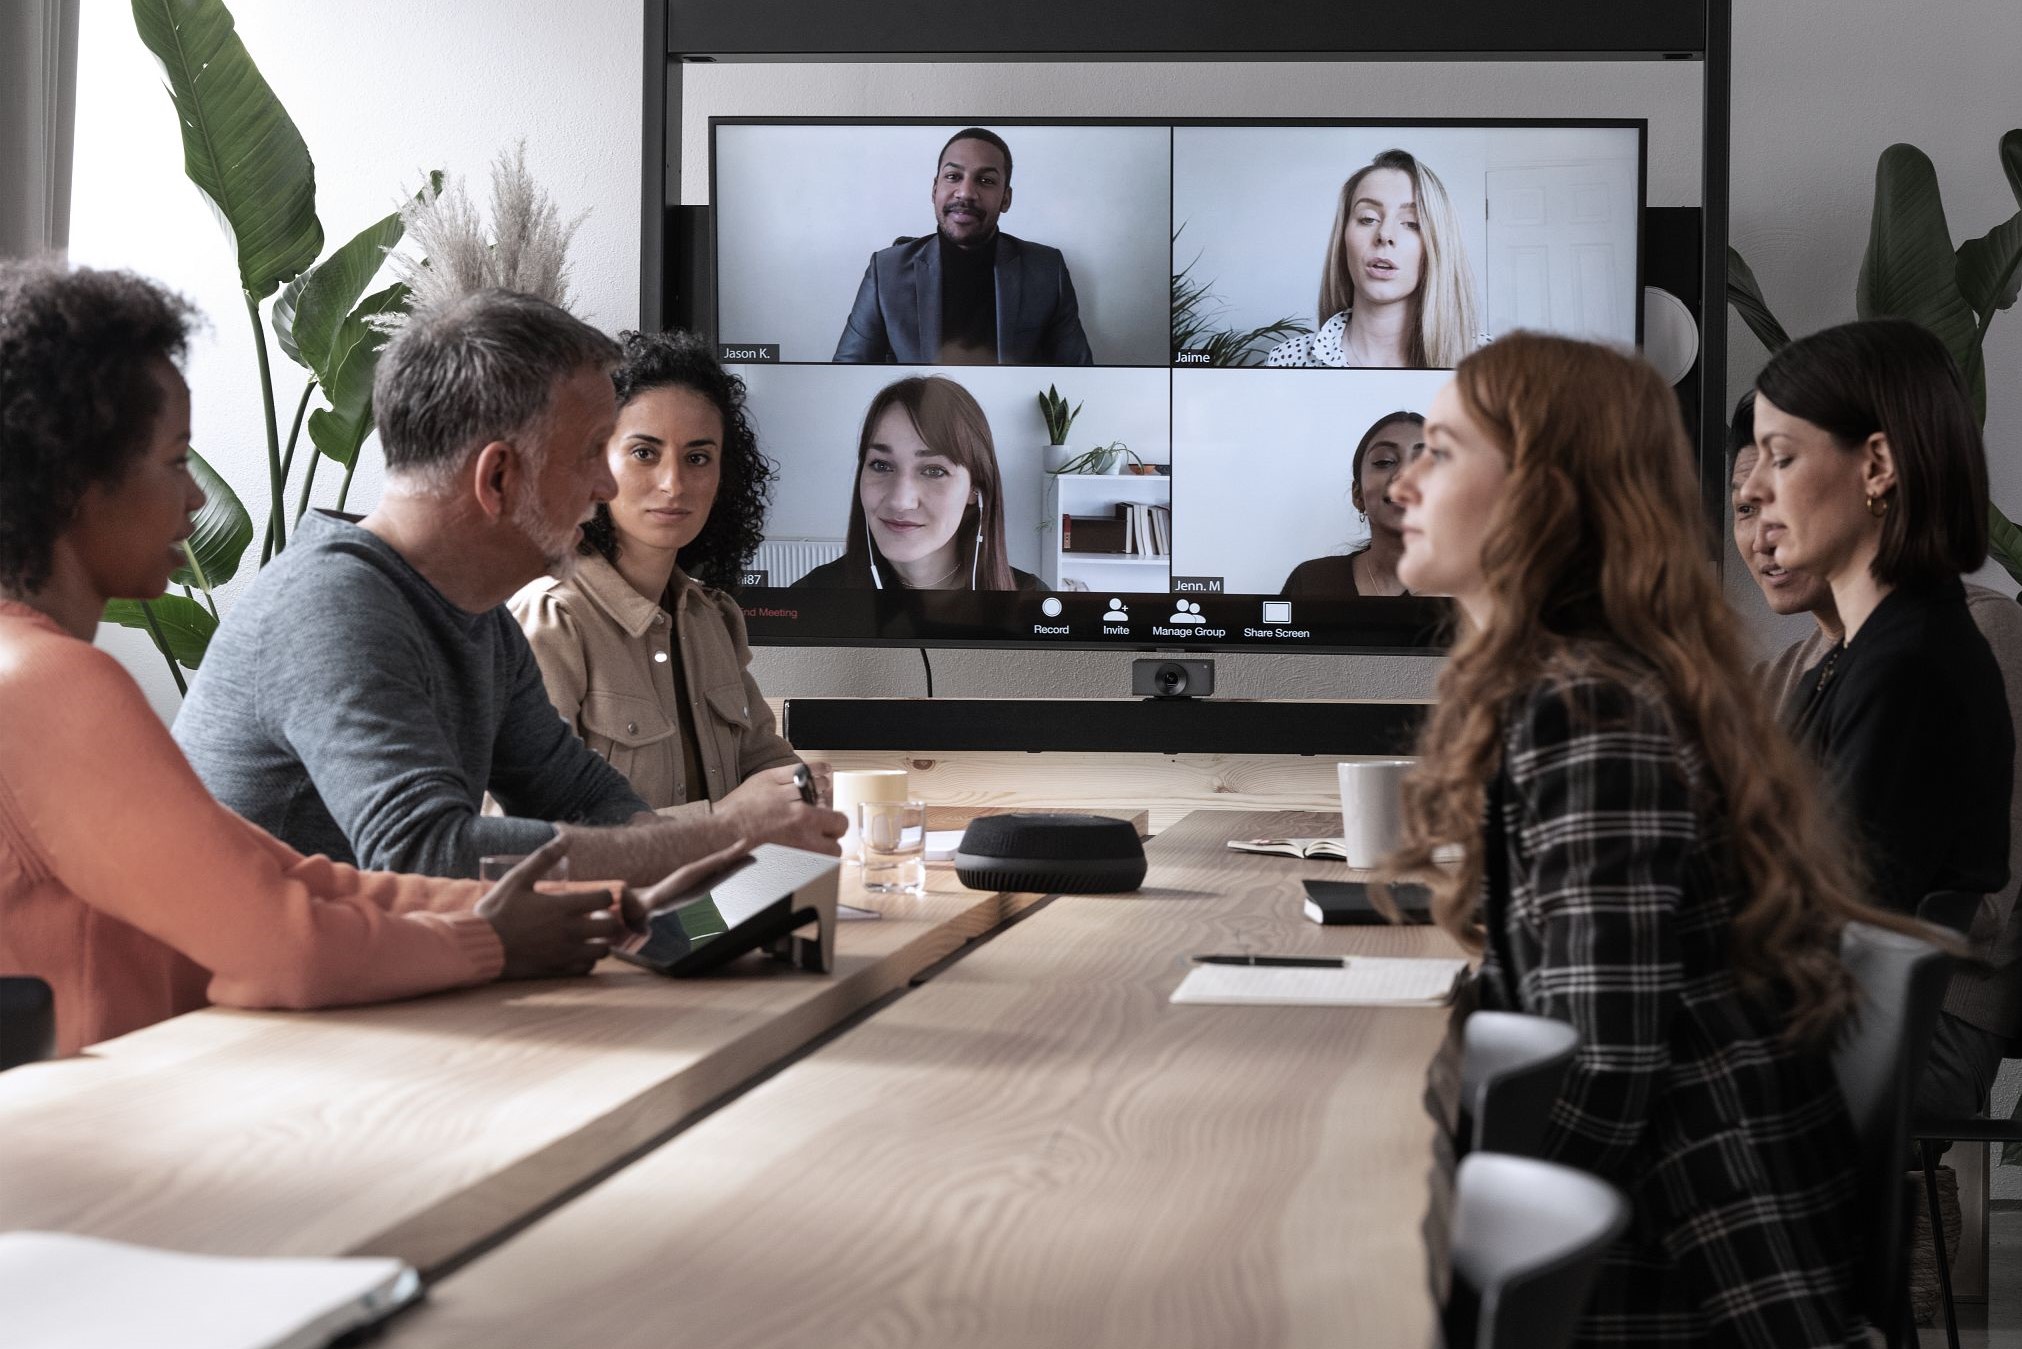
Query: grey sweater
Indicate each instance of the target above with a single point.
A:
(347, 708)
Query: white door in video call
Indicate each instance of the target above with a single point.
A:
(1559, 256)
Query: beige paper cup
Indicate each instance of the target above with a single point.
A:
(854, 786)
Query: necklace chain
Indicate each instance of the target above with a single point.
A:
(938, 581)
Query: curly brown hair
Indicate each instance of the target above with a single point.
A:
(78, 395)
(718, 555)
(1595, 560)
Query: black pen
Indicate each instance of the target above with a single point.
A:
(1311, 962)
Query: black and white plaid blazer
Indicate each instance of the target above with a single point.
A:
(1608, 899)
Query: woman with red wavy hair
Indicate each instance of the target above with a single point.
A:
(1643, 851)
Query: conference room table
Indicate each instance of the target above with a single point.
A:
(1036, 1148)
(427, 1128)
(988, 1126)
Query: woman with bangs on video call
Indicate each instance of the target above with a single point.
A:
(928, 510)
(1392, 441)
(1396, 289)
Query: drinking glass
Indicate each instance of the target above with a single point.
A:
(893, 839)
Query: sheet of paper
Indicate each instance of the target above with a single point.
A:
(942, 843)
(1366, 981)
(57, 1291)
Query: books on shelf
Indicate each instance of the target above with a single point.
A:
(1133, 529)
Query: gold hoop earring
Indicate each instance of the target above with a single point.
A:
(1880, 502)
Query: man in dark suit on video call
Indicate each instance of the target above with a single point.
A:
(967, 294)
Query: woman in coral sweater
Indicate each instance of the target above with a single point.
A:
(122, 882)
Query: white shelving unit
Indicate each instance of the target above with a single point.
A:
(1098, 494)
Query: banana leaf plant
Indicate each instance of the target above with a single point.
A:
(1912, 270)
(245, 155)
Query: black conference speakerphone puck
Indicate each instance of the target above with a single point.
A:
(1080, 854)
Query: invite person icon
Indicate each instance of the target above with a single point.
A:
(968, 294)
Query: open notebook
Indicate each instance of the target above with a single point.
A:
(1364, 981)
(1332, 849)
(59, 1291)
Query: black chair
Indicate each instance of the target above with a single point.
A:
(1932, 1138)
(1511, 1069)
(1955, 911)
(1528, 1237)
(27, 1020)
(1902, 982)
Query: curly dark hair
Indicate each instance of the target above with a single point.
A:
(78, 395)
(736, 524)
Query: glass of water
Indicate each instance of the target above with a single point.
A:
(893, 837)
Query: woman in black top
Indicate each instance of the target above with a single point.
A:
(1643, 854)
(1872, 477)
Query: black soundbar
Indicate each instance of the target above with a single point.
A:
(1109, 726)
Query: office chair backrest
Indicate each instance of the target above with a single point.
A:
(1902, 981)
(27, 1020)
(1528, 1238)
(1511, 1069)
(1953, 910)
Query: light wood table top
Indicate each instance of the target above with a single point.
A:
(425, 1129)
(1033, 1148)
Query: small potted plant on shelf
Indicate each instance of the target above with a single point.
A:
(1059, 417)
(1102, 459)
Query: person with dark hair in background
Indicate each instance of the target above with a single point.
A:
(1871, 477)
(370, 687)
(928, 509)
(123, 884)
(642, 648)
(1385, 448)
(1643, 854)
(1982, 1012)
(968, 294)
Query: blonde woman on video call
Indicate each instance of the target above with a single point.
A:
(1396, 289)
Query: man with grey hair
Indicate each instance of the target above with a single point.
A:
(369, 688)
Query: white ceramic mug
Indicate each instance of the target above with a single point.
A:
(854, 786)
(1372, 808)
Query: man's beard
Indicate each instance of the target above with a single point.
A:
(557, 543)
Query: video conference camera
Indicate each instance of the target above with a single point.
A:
(1172, 678)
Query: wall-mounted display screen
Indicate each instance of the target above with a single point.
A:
(1131, 384)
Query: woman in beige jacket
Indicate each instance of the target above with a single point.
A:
(640, 651)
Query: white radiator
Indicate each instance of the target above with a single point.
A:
(784, 561)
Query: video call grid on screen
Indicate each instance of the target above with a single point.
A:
(1167, 277)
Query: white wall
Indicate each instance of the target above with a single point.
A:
(382, 91)
(802, 208)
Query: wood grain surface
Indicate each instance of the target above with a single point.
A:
(426, 1128)
(1032, 1149)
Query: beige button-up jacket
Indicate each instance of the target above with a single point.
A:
(605, 651)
